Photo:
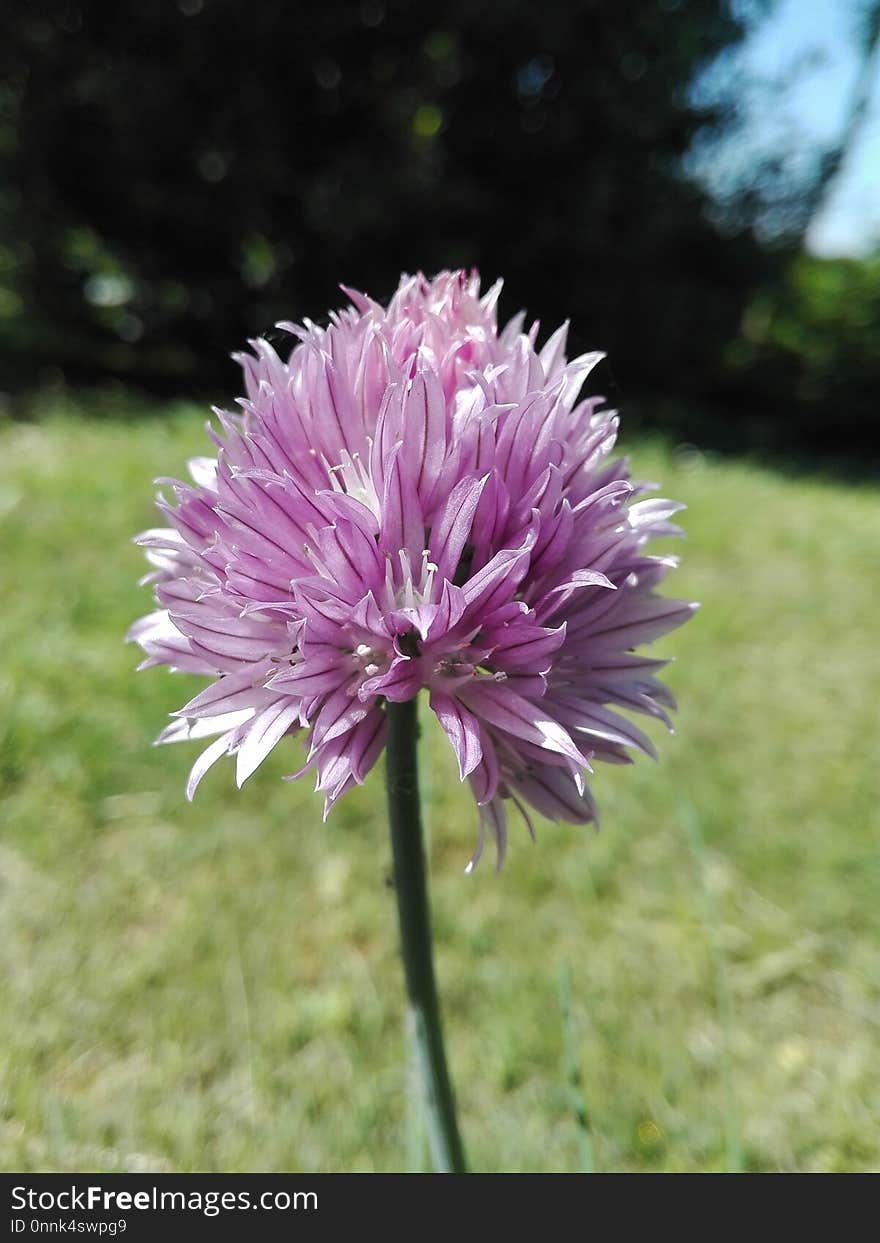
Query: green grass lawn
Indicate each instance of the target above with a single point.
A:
(217, 986)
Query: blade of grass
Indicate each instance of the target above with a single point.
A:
(574, 1088)
(709, 916)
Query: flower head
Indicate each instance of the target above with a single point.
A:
(415, 500)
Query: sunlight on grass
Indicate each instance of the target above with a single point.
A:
(216, 986)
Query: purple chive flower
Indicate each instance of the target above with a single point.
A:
(414, 500)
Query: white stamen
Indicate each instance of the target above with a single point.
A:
(355, 479)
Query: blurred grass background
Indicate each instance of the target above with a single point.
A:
(217, 987)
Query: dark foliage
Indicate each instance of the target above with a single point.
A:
(183, 174)
(177, 175)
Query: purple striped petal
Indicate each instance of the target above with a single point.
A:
(267, 728)
(507, 710)
(461, 728)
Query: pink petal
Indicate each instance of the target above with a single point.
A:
(461, 728)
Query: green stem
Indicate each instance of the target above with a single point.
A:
(411, 888)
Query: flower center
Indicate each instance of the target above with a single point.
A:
(409, 644)
(370, 660)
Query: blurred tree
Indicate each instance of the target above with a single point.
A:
(810, 346)
(766, 170)
(178, 175)
(832, 158)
